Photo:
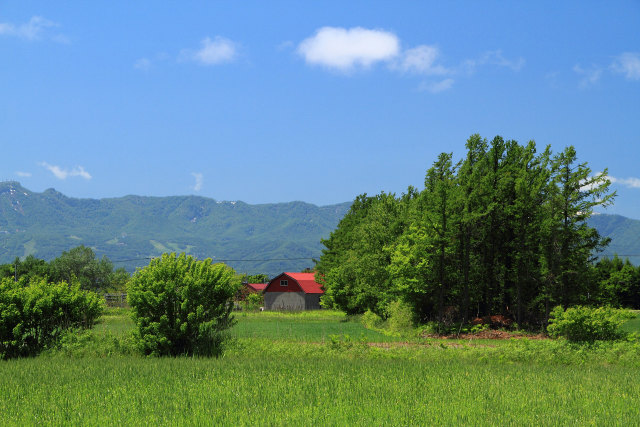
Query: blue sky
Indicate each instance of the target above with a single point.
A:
(313, 101)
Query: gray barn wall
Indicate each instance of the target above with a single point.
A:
(313, 301)
(291, 301)
(284, 301)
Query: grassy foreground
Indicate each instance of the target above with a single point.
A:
(285, 369)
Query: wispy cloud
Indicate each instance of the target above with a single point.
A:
(212, 52)
(627, 63)
(495, 57)
(437, 86)
(23, 174)
(590, 76)
(627, 182)
(421, 60)
(61, 173)
(37, 28)
(199, 181)
(142, 64)
(345, 49)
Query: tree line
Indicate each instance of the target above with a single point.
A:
(77, 265)
(502, 231)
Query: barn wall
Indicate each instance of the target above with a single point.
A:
(292, 285)
(312, 301)
(284, 301)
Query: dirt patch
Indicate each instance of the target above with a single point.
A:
(388, 345)
(490, 334)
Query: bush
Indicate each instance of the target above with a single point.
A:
(253, 301)
(182, 306)
(400, 316)
(34, 314)
(371, 320)
(586, 324)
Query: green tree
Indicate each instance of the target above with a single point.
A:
(422, 264)
(353, 268)
(30, 267)
(182, 306)
(80, 264)
(574, 192)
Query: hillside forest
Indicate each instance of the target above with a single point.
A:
(502, 231)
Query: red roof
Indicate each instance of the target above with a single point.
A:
(257, 286)
(307, 282)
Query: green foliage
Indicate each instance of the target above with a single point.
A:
(353, 267)
(182, 305)
(371, 320)
(253, 301)
(502, 231)
(80, 264)
(587, 324)
(35, 314)
(255, 278)
(400, 316)
(346, 342)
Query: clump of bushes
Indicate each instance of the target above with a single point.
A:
(370, 320)
(253, 301)
(35, 314)
(182, 306)
(400, 316)
(587, 324)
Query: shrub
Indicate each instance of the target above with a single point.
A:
(35, 314)
(346, 342)
(400, 316)
(371, 320)
(182, 306)
(586, 324)
(253, 301)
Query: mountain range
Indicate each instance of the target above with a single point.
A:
(265, 238)
(130, 230)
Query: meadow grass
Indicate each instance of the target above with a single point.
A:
(278, 370)
(633, 325)
(331, 389)
(309, 326)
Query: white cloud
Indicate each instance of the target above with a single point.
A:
(590, 76)
(437, 86)
(495, 57)
(142, 64)
(60, 173)
(344, 49)
(23, 174)
(492, 57)
(628, 63)
(199, 181)
(213, 52)
(421, 60)
(285, 45)
(36, 29)
(627, 182)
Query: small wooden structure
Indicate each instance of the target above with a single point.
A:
(118, 299)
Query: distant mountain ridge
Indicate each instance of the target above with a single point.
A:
(128, 228)
(131, 229)
(624, 233)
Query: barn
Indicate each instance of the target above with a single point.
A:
(293, 291)
(255, 287)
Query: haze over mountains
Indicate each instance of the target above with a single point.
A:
(131, 229)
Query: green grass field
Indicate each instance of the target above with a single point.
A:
(284, 369)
